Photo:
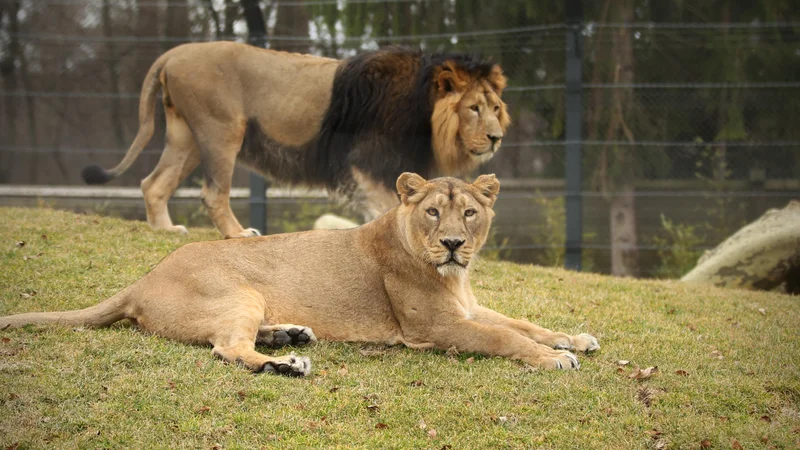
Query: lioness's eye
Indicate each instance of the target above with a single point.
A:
(496, 108)
(470, 212)
(474, 108)
(432, 212)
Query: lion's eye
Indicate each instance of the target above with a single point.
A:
(433, 212)
(474, 108)
(496, 108)
(470, 212)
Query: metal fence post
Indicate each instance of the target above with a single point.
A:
(574, 130)
(257, 30)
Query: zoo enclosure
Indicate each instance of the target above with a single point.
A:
(680, 124)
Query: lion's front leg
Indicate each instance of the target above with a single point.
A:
(496, 340)
(583, 342)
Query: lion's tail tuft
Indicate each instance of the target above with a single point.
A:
(95, 174)
(147, 100)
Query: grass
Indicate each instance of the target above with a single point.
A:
(118, 387)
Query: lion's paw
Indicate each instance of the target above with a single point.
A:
(249, 232)
(286, 334)
(585, 342)
(559, 360)
(293, 366)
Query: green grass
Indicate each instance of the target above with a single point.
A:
(118, 387)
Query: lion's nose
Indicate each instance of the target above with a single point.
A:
(452, 244)
(494, 138)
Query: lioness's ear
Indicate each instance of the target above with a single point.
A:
(489, 187)
(409, 186)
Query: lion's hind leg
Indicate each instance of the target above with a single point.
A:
(179, 159)
(277, 336)
(244, 353)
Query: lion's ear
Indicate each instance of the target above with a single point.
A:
(498, 79)
(489, 187)
(450, 78)
(409, 185)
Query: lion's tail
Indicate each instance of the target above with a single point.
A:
(103, 314)
(94, 174)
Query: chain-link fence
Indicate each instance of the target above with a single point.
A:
(687, 119)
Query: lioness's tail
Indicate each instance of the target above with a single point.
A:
(103, 314)
(147, 101)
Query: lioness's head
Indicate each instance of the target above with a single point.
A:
(446, 221)
(469, 117)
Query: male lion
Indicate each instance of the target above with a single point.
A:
(402, 278)
(350, 126)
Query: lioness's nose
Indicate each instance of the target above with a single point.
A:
(494, 137)
(452, 244)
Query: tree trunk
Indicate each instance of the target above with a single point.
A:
(624, 252)
(113, 76)
(763, 255)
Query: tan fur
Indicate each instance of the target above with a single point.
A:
(393, 280)
(211, 90)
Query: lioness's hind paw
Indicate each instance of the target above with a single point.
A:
(293, 366)
(281, 335)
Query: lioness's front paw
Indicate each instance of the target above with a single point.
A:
(293, 366)
(558, 360)
(585, 342)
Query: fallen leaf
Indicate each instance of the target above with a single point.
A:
(20, 244)
(241, 395)
(373, 408)
(381, 426)
(645, 395)
(623, 362)
(717, 354)
(639, 374)
(682, 373)
(5, 340)
(203, 410)
(705, 443)
(735, 445)
(766, 418)
(417, 383)
(333, 389)
(500, 420)
(724, 418)
(620, 370)
(432, 433)
(446, 447)
(422, 425)
(470, 360)
(654, 433)
(342, 371)
(762, 311)
(692, 327)
(44, 237)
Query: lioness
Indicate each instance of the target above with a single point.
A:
(402, 278)
(350, 126)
